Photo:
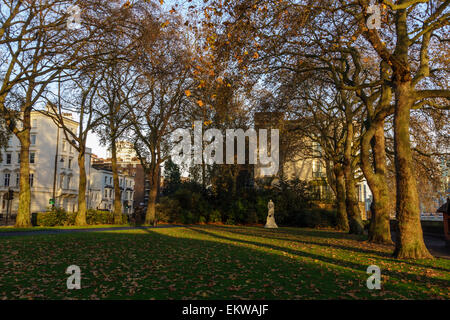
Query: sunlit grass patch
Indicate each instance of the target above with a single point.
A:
(212, 262)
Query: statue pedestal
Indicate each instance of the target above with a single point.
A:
(270, 223)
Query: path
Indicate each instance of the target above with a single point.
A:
(435, 244)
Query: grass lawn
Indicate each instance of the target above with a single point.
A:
(212, 262)
(13, 229)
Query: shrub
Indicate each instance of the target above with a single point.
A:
(187, 217)
(124, 219)
(99, 217)
(71, 216)
(168, 210)
(230, 221)
(59, 217)
(315, 218)
(215, 216)
(55, 217)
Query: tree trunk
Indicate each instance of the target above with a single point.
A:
(351, 198)
(409, 242)
(80, 219)
(23, 218)
(150, 216)
(117, 198)
(342, 220)
(379, 229)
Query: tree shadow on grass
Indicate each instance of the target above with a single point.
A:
(326, 234)
(170, 265)
(269, 235)
(347, 264)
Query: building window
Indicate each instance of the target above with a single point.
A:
(68, 182)
(32, 157)
(64, 145)
(33, 139)
(31, 177)
(69, 165)
(18, 157)
(17, 179)
(106, 180)
(110, 180)
(106, 193)
(6, 179)
(8, 158)
(110, 193)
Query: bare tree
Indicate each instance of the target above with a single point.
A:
(35, 46)
(164, 66)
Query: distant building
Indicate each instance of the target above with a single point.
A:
(125, 152)
(301, 159)
(101, 190)
(444, 192)
(132, 168)
(54, 171)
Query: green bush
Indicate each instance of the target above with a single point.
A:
(184, 206)
(168, 210)
(99, 217)
(316, 218)
(124, 219)
(71, 216)
(239, 203)
(59, 217)
(215, 216)
(55, 217)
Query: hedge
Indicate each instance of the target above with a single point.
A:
(59, 217)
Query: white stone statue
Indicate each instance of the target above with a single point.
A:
(270, 223)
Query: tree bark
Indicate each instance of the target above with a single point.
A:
(117, 198)
(342, 220)
(80, 219)
(379, 229)
(409, 242)
(150, 216)
(351, 198)
(23, 218)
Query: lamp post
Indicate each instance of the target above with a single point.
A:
(55, 170)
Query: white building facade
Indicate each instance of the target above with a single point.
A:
(54, 171)
(101, 191)
(53, 166)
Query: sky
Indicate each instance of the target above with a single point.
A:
(94, 143)
(93, 140)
